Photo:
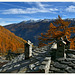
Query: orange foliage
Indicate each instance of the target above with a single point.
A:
(9, 40)
(72, 45)
(52, 26)
(41, 44)
(60, 29)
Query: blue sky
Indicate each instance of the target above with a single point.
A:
(15, 12)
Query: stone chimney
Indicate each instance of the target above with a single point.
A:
(67, 46)
(28, 50)
(60, 52)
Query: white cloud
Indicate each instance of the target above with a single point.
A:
(30, 10)
(71, 8)
(13, 11)
(10, 19)
(4, 23)
(53, 9)
(40, 5)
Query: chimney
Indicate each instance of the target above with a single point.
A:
(67, 46)
(60, 52)
(28, 50)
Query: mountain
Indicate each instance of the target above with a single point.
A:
(31, 29)
(9, 40)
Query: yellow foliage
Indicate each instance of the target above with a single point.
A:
(9, 40)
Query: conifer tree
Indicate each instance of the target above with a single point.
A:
(59, 29)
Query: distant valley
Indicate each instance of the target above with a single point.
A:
(31, 29)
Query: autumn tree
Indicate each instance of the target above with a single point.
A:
(9, 41)
(59, 29)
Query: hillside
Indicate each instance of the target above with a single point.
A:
(9, 40)
(31, 29)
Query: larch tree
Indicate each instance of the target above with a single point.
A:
(59, 29)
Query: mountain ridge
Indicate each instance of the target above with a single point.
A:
(31, 31)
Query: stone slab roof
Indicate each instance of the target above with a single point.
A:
(63, 66)
(41, 57)
(19, 64)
